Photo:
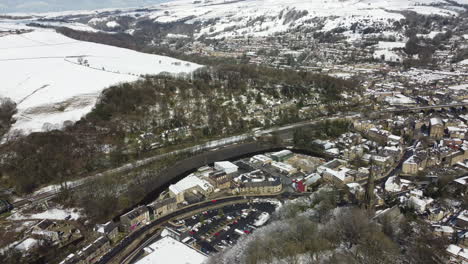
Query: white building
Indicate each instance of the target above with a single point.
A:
(191, 183)
(261, 158)
(419, 204)
(283, 167)
(226, 166)
(169, 250)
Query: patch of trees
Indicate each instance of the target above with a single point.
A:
(38, 25)
(370, 30)
(121, 40)
(122, 100)
(15, 17)
(7, 111)
(303, 137)
(442, 37)
(202, 60)
(293, 15)
(328, 37)
(415, 46)
(42, 158)
(424, 24)
(329, 129)
(148, 30)
(462, 54)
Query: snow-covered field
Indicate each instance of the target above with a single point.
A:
(386, 51)
(42, 73)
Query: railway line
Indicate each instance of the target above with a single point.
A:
(214, 145)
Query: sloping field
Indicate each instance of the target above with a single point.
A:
(54, 79)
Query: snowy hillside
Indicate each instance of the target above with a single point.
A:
(231, 18)
(54, 79)
(263, 17)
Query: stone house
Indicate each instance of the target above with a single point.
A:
(134, 219)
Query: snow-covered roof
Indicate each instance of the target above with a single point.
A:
(392, 186)
(282, 153)
(399, 100)
(333, 151)
(463, 216)
(169, 250)
(394, 138)
(354, 187)
(188, 183)
(462, 180)
(436, 121)
(410, 160)
(392, 148)
(341, 175)
(225, 165)
(262, 158)
(312, 178)
(283, 166)
(444, 229)
(457, 251)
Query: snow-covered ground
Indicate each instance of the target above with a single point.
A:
(57, 187)
(386, 51)
(52, 214)
(42, 73)
(27, 244)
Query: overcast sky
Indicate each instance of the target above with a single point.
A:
(10, 6)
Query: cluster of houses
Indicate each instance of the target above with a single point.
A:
(448, 217)
(356, 151)
(448, 145)
(435, 158)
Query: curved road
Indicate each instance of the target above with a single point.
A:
(140, 233)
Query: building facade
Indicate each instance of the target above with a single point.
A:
(134, 219)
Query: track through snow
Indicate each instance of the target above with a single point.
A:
(42, 73)
(35, 91)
